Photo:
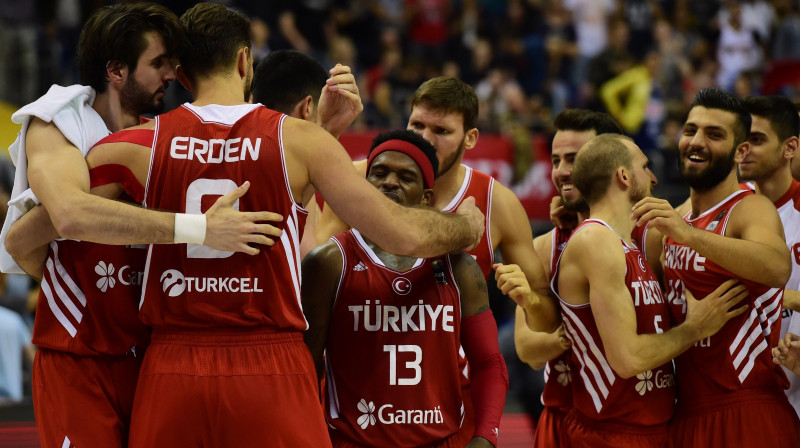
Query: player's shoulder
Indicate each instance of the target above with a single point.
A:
(544, 242)
(324, 256)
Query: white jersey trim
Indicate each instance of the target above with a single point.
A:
(222, 115)
(461, 191)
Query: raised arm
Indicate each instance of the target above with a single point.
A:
(512, 229)
(489, 376)
(59, 176)
(324, 266)
(597, 254)
(753, 247)
(535, 348)
(329, 223)
(315, 159)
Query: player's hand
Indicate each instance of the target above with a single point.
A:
(512, 282)
(231, 230)
(566, 344)
(659, 214)
(479, 442)
(340, 103)
(475, 218)
(716, 309)
(787, 353)
(560, 216)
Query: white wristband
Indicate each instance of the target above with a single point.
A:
(190, 228)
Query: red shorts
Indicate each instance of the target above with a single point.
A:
(548, 428)
(744, 418)
(453, 441)
(83, 400)
(237, 388)
(578, 431)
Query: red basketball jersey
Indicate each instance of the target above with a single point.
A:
(738, 356)
(88, 302)
(598, 392)
(479, 186)
(392, 351)
(201, 153)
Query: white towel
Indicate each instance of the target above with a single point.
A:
(70, 109)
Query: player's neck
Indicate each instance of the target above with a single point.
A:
(447, 185)
(702, 201)
(615, 210)
(400, 263)
(221, 90)
(776, 184)
(108, 106)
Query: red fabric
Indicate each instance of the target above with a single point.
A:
(142, 137)
(410, 150)
(580, 431)
(114, 173)
(228, 389)
(548, 428)
(488, 370)
(87, 399)
(738, 419)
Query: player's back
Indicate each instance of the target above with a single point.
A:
(738, 356)
(202, 153)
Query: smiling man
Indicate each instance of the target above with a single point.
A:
(727, 383)
(405, 318)
(773, 145)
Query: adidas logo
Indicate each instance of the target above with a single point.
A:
(360, 267)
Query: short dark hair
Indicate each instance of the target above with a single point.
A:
(413, 138)
(116, 35)
(216, 33)
(586, 120)
(448, 94)
(596, 163)
(713, 98)
(778, 110)
(285, 77)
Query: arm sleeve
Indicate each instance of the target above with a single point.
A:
(489, 375)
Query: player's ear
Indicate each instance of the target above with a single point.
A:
(243, 62)
(790, 148)
(183, 78)
(623, 176)
(470, 138)
(116, 72)
(427, 197)
(741, 151)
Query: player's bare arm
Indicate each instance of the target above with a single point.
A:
(28, 238)
(791, 299)
(752, 248)
(488, 373)
(77, 214)
(596, 260)
(322, 268)
(535, 348)
(511, 231)
(316, 160)
(329, 223)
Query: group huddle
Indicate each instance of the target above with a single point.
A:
(197, 292)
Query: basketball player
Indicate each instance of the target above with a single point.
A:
(727, 383)
(614, 312)
(773, 146)
(444, 110)
(411, 356)
(227, 365)
(290, 82)
(574, 127)
(89, 336)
